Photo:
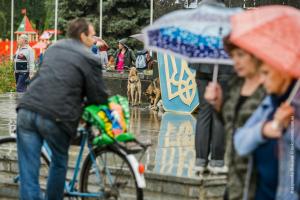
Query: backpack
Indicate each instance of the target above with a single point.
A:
(140, 62)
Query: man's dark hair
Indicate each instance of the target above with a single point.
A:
(76, 27)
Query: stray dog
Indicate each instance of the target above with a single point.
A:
(154, 94)
(134, 87)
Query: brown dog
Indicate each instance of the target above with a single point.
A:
(153, 92)
(134, 88)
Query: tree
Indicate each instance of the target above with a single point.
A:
(35, 10)
(3, 23)
(3, 19)
(50, 14)
(162, 7)
(121, 18)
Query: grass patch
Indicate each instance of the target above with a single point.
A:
(7, 79)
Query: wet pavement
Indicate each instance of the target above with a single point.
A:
(7, 113)
(171, 135)
(169, 161)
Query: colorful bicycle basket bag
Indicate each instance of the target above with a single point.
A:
(111, 119)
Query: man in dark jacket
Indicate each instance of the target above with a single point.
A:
(51, 108)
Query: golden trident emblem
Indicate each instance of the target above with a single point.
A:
(185, 87)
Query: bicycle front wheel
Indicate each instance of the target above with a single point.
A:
(110, 175)
(9, 169)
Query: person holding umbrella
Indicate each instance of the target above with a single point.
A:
(271, 33)
(124, 57)
(210, 133)
(103, 47)
(196, 36)
(244, 92)
(259, 138)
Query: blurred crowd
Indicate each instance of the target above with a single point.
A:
(249, 123)
(123, 58)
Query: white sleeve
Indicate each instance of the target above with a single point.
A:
(31, 61)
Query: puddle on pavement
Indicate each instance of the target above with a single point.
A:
(171, 135)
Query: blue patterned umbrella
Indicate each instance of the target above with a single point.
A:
(195, 35)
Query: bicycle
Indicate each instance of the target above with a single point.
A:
(109, 171)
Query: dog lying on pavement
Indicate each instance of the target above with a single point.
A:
(134, 88)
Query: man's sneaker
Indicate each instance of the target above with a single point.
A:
(199, 169)
(217, 170)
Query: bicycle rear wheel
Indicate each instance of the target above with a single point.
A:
(117, 180)
(9, 170)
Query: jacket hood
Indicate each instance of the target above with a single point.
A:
(77, 47)
(124, 43)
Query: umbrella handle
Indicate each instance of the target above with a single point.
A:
(215, 73)
(275, 125)
(294, 92)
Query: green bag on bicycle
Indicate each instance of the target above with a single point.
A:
(111, 119)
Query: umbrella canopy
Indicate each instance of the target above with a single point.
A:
(194, 35)
(139, 37)
(46, 36)
(271, 33)
(103, 45)
(40, 45)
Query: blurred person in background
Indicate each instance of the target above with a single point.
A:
(272, 134)
(245, 93)
(259, 138)
(210, 134)
(124, 57)
(111, 63)
(100, 48)
(24, 66)
(103, 48)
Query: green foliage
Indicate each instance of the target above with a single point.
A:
(36, 11)
(3, 22)
(162, 7)
(121, 18)
(7, 80)
(49, 18)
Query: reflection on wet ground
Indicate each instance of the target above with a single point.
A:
(7, 113)
(171, 135)
(175, 145)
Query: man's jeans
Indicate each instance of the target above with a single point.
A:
(32, 130)
(21, 81)
(210, 134)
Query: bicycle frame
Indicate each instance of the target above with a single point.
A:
(70, 189)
